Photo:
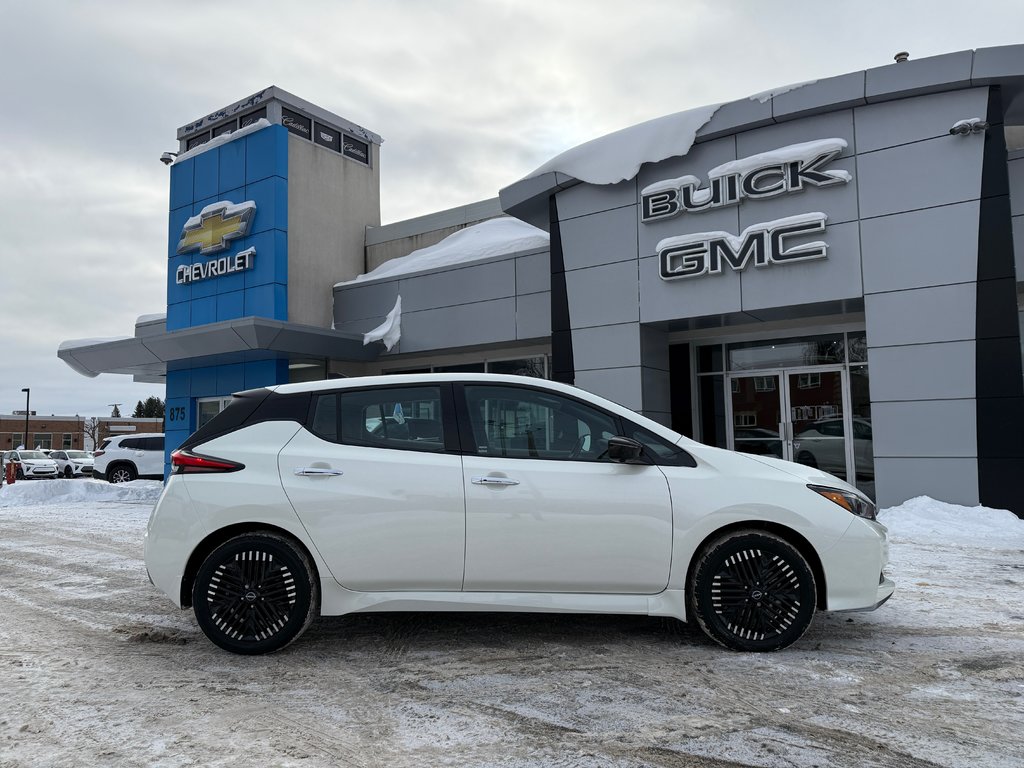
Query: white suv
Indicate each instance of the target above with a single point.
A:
(31, 464)
(72, 463)
(129, 457)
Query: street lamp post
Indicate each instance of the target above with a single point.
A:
(27, 391)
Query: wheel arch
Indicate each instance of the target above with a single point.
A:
(802, 545)
(218, 537)
(121, 462)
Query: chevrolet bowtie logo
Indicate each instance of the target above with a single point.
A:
(216, 226)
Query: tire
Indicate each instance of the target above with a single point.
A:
(753, 591)
(255, 593)
(121, 473)
(18, 474)
(68, 472)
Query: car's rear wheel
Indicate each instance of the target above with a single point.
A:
(121, 473)
(753, 591)
(255, 593)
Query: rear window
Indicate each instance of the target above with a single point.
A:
(403, 418)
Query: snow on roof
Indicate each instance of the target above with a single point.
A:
(150, 318)
(494, 237)
(73, 343)
(764, 96)
(619, 155)
(224, 138)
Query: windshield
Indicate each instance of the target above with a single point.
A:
(77, 455)
(33, 455)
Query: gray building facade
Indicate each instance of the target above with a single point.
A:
(831, 274)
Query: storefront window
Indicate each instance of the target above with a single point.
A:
(710, 359)
(209, 407)
(786, 353)
(65, 440)
(42, 440)
(526, 366)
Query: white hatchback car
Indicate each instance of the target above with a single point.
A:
(123, 458)
(72, 463)
(471, 492)
(31, 464)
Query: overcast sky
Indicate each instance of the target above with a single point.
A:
(469, 96)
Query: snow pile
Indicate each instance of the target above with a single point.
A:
(390, 331)
(923, 520)
(619, 155)
(75, 343)
(494, 237)
(34, 492)
(764, 96)
(150, 318)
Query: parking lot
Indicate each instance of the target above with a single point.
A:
(97, 668)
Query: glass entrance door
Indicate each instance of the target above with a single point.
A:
(798, 415)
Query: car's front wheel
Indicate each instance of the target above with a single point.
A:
(255, 593)
(753, 591)
(68, 472)
(121, 473)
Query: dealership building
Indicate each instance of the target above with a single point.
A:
(831, 273)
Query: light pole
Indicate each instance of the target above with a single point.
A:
(27, 391)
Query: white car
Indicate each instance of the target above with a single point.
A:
(72, 463)
(511, 494)
(124, 458)
(31, 464)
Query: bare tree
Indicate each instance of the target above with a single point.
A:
(91, 431)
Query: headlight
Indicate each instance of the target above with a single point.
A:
(851, 502)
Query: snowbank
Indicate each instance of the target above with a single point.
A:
(923, 520)
(763, 96)
(35, 492)
(494, 237)
(618, 156)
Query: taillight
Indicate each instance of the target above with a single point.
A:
(186, 462)
(97, 453)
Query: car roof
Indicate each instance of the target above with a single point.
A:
(135, 434)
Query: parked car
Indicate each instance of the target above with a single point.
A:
(73, 463)
(821, 444)
(523, 495)
(123, 458)
(31, 464)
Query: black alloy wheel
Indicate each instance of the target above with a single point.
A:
(121, 473)
(255, 593)
(68, 472)
(753, 591)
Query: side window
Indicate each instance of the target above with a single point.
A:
(402, 418)
(131, 444)
(153, 444)
(515, 422)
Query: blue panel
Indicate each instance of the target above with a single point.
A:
(266, 153)
(181, 183)
(175, 223)
(230, 305)
(265, 373)
(270, 300)
(204, 310)
(230, 378)
(175, 292)
(208, 287)
(271, 264)
(179, 316)
(172, 439)
(174, 408)
(232, 166)
(200, 204)
(207, 174)
(204, 382)
(271, 198)
(177, 384)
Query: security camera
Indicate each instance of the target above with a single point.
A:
(168, 157)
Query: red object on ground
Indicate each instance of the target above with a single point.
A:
(11, 472)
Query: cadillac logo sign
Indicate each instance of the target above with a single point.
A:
(215, 227)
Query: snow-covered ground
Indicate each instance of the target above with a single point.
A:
(97, 668)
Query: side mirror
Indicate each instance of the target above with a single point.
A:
(625, 450)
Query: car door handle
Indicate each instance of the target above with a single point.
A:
(482, 480)
(317, 472)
